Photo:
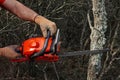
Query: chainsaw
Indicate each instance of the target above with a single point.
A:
(47, 49)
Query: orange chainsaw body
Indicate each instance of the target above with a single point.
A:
(39, 48)
(34, 45)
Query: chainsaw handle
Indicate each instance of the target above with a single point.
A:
(41, 52)
(54, 45)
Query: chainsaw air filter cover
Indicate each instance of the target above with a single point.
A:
(34, 45)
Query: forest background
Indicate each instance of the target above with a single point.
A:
(71, 18)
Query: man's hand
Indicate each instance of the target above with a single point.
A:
(9, 52)
(28, 14)
(46, 24)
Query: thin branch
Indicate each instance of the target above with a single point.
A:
(58, 78)
(89, 21)
(43, 70)
(105, 67)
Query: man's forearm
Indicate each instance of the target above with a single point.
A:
(20, 10)
(28, 14)
(1, 51)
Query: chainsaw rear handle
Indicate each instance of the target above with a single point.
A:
(41, 52)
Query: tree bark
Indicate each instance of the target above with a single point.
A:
(97, 38)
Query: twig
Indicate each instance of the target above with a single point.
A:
(58, 78)
(89, 21)
(3, 31)
(43, 70)
(105, 67)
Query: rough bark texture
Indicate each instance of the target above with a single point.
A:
(97, 38)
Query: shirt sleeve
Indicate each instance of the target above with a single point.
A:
(2, 1)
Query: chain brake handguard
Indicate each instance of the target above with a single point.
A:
(39, 48)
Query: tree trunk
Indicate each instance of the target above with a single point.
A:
(97, 38)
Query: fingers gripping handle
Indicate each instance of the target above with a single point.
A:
(48, 34)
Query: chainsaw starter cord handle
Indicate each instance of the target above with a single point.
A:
(41, 52)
